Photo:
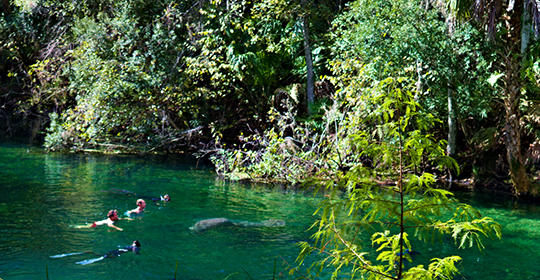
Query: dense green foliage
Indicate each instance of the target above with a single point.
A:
(402, 38)
(165, 75)
(139, 75)
(228, 78)
(407, 205)
(369, 43)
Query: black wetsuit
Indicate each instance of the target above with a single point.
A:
(154, 199)
(116, 253)
(112, 254)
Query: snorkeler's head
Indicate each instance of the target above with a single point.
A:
(141, 203)
(166, 198)
(136, 246)
(113, 215)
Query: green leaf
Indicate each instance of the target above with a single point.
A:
(494, 78)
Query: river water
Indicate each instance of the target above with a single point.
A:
(43, 197)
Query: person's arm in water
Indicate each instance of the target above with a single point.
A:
(141, 204)
(112, 217)
(113, 226)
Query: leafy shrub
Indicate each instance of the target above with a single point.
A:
(392, 198)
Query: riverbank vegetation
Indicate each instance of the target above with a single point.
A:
(271, 83)
(264, 84)
(377, 98)
(410, 206)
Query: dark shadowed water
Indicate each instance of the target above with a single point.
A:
(42, 196)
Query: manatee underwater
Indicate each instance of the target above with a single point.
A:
(220, 222)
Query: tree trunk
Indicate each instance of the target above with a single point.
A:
(525, 28)
(452, 126)
(419, 85)
(515, 44)
(309, 60)
(512, 126)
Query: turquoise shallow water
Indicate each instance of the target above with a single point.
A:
(42, 195)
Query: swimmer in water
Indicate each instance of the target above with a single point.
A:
(112, 217)
(165, 198)
(135, 247)
(141, 204)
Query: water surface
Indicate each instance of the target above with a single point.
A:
(42, 195)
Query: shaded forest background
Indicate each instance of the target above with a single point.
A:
(272, 89)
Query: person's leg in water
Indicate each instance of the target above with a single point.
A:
(135, 247)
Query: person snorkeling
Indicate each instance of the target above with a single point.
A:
(112, 217)
(135, 247)
(165, 198)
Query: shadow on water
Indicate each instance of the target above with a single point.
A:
(43, 194)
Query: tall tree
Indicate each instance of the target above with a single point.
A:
(512, 37)
(403, 38)
(304, 24)
(392, 214)
(309, 61)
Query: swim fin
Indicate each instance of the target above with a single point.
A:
(66, 255)
(90, 261)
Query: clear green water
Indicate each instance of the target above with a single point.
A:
(41, 195)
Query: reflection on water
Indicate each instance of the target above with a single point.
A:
(43, 194)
